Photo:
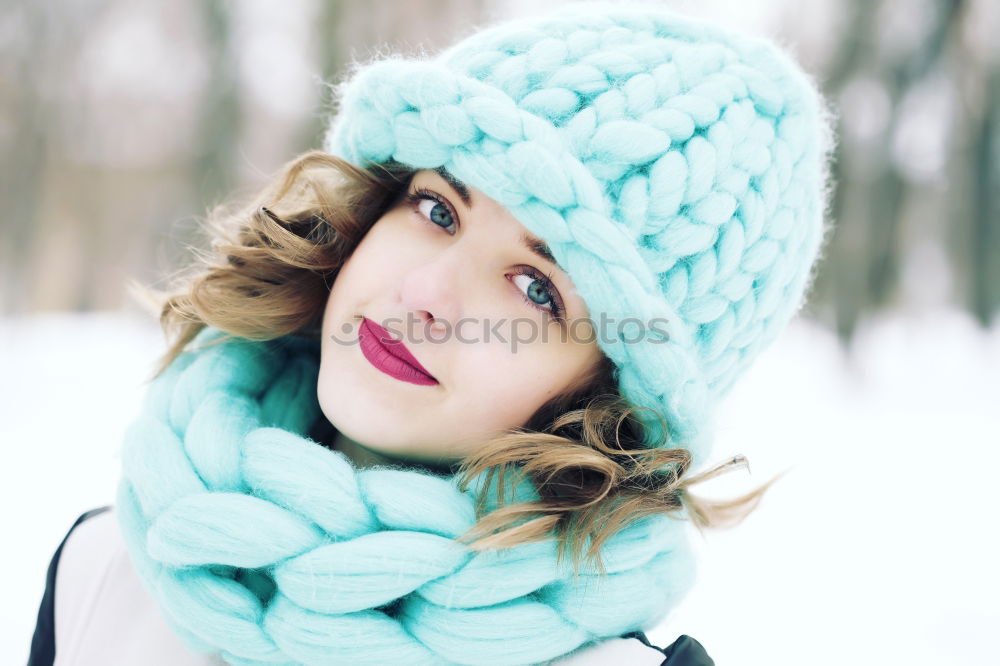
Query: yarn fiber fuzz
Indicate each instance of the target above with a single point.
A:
(265, 547)
(676, 170)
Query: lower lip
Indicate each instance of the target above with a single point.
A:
(385, 361)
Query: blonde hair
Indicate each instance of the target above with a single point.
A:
(268, 273)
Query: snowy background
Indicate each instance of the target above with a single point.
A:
(122, 122)
(880, 541)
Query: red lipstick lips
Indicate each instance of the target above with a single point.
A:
(390, 355)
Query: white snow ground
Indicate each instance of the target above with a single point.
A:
(877, 547)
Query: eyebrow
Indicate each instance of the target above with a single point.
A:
(456, 185)
(537, 246)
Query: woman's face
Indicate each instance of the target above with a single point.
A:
(447, 273)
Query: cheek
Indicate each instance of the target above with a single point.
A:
(367, 271)
(502, 389)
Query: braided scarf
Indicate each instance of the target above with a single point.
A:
(264, 547)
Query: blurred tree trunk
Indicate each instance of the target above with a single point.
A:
(976, 163)
(986, 222)
(864, 254)
(25, 147)
(212, 171)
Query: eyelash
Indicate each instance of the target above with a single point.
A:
(413, 199)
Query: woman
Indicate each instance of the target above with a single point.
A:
(484, 328)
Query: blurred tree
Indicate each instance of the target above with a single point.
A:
(974, 170)
(75, 226)
(862, 266)
(212, 168)
(23, 142)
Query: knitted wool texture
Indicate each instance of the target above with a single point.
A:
(676, 170)
(266, 548)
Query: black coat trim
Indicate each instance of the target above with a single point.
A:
(685, 651)
(43, 642)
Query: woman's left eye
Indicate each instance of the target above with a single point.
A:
(539, 291)
(432, 208)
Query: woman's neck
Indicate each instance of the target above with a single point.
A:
(358, 454)
(323, 432)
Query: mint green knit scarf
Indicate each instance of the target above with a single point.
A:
(265, 547)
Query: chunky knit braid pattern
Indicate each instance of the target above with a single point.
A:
(676, 170)
(268, 548)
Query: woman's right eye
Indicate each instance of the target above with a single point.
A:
(432, 208)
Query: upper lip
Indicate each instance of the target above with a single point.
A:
(395, 347)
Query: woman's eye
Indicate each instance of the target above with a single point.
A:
(434, 210)
(539, 293)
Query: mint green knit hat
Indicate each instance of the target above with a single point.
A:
(676, 170)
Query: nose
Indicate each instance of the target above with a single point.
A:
(431, 290)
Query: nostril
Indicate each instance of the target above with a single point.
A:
(428, 320)
(438, 325)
